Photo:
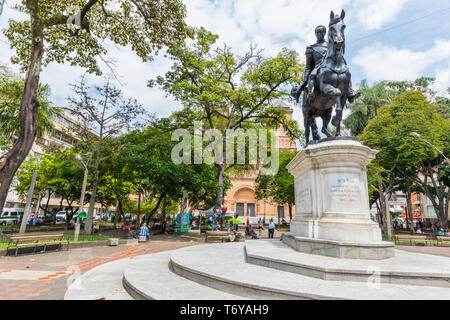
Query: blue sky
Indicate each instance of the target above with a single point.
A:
(403, 53)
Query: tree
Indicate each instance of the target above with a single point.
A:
(279, 187)
(389, 132)
(229, 91)
(367, 107)
(59, 174)
(381, 94)
(11, 88)
(443, 105)
(108, 112)
(74, 32)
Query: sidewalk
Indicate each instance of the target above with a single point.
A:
(439, 251)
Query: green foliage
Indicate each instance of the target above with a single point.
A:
(444, 174)
(382, 93)
(390, 131)
(411, 163)
(145, 26)
(279, 187)
(59, 174)
(443, 105)
(141, 160)
(368, 106)
(11, 88)
(229, 90)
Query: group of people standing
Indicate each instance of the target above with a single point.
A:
(261, 222)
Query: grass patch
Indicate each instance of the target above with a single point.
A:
(69, 237)
(418, 241)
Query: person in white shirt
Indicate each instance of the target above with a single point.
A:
(271, 229)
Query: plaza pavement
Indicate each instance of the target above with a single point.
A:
(47, 276)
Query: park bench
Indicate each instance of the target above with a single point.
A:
(217, 235)
(409, 237)
(28, 241)
(443, 238)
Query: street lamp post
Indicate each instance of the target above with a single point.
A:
(83, 190)
(417, 136)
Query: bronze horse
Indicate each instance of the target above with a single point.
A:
(331, 84)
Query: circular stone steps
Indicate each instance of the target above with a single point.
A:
(405, 268)
(224, 267)
(222, 272)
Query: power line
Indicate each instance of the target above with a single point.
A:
(400, 25)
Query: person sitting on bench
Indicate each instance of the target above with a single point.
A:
(144, 232)
(251, 232)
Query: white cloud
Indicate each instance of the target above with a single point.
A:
(382, 62)
(442, 80)
(373, 15)
(270, 24)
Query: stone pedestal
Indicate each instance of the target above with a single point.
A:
(332, 214)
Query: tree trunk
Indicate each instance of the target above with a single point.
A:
(220, 181)
(139, 202)
(443, 216)
(11, 161)
(163, 214)
(161, 196)
(120, 210)
(388, 218)
(383, 206)
(409, 207)
(290, 212)
(89, 219)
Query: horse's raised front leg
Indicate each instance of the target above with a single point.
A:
(329, 90)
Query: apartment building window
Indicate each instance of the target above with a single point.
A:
(64, 137)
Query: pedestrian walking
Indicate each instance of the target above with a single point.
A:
(271, 228)
(260, 226)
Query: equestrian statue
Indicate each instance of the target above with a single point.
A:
(326, 80)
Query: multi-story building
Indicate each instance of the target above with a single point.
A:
(63, 136)
(241, 197)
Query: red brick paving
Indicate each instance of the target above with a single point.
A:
(24, 289)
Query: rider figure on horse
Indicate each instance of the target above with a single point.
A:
(327, 79)
(315, 54)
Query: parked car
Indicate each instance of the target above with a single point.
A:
(9, 215)
(61, 216)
